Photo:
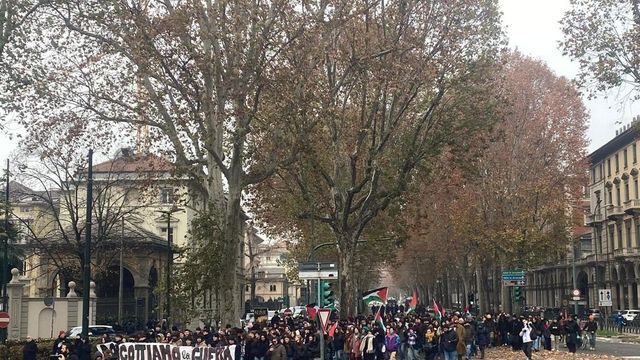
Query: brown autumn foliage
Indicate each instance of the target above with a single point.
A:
(398, 85)
(508, 207)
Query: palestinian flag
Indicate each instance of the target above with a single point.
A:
(436, 311)
(379, 321)
(312, 309)
(413, 303)
(378, 296)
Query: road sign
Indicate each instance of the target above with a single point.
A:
(604, 297)
(575, 294)
(317, 270)
(324, 314)
(4, 320)
(513, 277)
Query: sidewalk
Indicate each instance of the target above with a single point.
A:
(504, 353)
(625, 338)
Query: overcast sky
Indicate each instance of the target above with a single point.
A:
(532, 27)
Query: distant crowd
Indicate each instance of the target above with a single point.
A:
(389, 337)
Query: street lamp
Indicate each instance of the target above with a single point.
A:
(168, 213)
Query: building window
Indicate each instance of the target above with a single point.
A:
(610, 239)
(635, 188)
(617, 164)
(247, 288)
(619, 226)
(167, 196)
(593, 175)
(626, 191)
(599, 239)
(164, 233)
(624, 155)
(634, 155)
(268, 258)
(618, 195)
(273, 288)
(627, 225)
(610, 199)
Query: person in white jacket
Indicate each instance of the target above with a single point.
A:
(525, 334)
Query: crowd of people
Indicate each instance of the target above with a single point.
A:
(394, 336)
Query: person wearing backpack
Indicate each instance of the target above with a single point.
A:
(526, 333)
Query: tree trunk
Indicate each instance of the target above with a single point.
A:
(480, 298)
(233, 230)
(347, 299)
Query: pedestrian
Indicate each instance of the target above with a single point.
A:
(590, 328)
(338, 344)
(277, 351)
(29, 350)
(469, 336)
(556, 331)
(260, 347)
(482, 337)
(449, 342)
(57, 344)
(367, 346)
(527, 342)
(460, 347)
(546, 333)
(392, 344)
(573, 331)
(354, 345)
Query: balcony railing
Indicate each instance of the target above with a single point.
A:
(594, 218)
(632, 206)
(624, 252)
(614, 211)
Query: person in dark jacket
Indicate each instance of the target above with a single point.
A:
(260, 348)
(313, 347)
(289, 347)
(300, 351)
(482, 337)
(277, 351)
(449, 343)
(546, 334)
(573, 331)
(29, 350)
(338, 344)
(57, 344)
(83, 348)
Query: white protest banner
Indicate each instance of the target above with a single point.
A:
(158, 351)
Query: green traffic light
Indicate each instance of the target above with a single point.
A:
(327, 294)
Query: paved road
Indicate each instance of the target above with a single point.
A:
(613, 347)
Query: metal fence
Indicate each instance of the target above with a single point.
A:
(631, 327)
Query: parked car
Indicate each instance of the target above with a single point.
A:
(630, 315)
(94, 330)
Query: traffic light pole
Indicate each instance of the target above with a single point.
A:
(321, 332)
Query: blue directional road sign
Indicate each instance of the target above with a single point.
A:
(513, 277)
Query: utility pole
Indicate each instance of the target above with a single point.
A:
(5, 257)
(121, 277)
(168, 213)
(86, 263)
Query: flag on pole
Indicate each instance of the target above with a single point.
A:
(436, 311)
(414, 302)
(332, 329)
(375, 296)
(379, 320)
(312, 309)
